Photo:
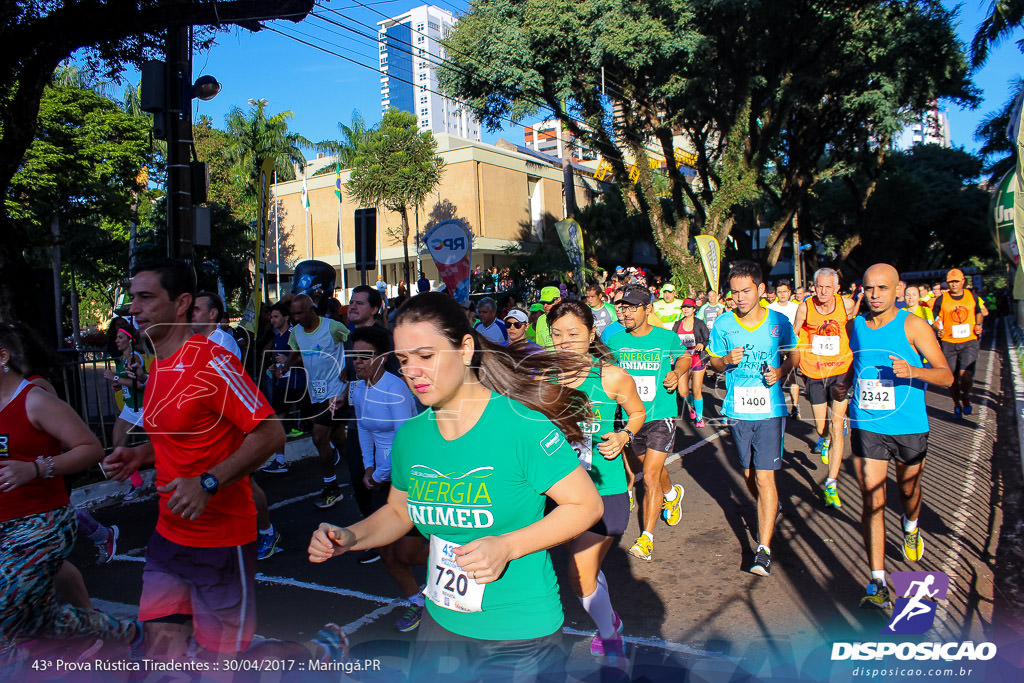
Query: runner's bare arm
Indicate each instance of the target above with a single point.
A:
(621, 387)
(923, 339)
(801, 316)
(386, 525)
(124, 461)
(579, 507)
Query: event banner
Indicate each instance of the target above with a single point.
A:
(711, 257)
(1001, 214)
(451, 245)
(571, 234)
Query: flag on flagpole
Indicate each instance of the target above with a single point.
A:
(305, 193)
(337, 179)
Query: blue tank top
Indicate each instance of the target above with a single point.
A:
(882, 402)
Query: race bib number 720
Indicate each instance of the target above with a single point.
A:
(448, 585)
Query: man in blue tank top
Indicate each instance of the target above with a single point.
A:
(888, 417)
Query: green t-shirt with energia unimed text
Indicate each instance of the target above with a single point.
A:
(489, 481)
(648, 360)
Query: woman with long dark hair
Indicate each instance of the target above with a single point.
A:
(600, 452)
(44, 440)
(472, 474)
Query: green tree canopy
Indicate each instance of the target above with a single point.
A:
(770, 98)
(396, 168)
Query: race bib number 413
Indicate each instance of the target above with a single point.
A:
(448, 585)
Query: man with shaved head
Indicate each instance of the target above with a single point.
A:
(319, 342)
(888, 417)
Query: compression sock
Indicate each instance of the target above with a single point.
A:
(698, 406)
(599, 606)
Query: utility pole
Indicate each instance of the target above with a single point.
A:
(180, 223)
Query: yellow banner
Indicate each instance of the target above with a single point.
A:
(710, 257)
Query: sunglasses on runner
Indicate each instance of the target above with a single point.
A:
(514, 323)
(627, 307)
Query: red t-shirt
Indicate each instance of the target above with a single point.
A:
(20, 440)
(198, 407)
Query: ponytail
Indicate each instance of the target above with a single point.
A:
(529, 378)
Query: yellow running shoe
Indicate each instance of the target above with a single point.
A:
(643, 548)
(832, 496)
(632, 501)
(672, 512)
(913, 545)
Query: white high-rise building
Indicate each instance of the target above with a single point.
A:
(410, 51)
(929, 127)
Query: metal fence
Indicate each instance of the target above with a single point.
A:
(81, 384)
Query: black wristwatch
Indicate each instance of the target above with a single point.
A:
(209, 483)
(629, 434)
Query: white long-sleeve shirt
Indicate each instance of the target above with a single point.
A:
(380, 410)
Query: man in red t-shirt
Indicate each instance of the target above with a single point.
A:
(210, 427)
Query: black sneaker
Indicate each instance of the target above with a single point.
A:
(369, 556)
(329, 497)
(762, 563)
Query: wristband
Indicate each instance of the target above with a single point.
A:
(36, 465)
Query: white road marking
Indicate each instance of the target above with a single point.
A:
(298, 499)
(690, 449)
(958, 525)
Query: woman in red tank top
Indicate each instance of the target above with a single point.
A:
(37, 522)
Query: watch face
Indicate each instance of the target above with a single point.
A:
(208, 482)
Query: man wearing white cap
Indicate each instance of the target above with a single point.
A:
(516, 322)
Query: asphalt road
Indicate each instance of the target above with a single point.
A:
(694, 611)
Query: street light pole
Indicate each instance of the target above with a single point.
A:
(180, 223)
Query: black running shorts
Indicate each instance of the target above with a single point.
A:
(908, 449)
(656, 435)
(961, 356)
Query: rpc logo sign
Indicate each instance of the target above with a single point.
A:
(448, 242)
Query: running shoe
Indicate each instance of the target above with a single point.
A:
(643, 548)
(877, 595)
(411, 619)
(617, 623)
(295, 433)
(672, 511)
(275, 466)
(817, 447)
(913, 545)
(700, 424)
(795, 413)
(762, 563)
(692, 413)
(369, 556)
(832, 496)
(957, 412)
(334, 642)
(329, 497)
(968, 409)
(105, 551)
(613, 647)
(267, 545)
(825, 447)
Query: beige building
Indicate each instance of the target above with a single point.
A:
(508, 196)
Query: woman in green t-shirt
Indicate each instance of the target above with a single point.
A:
(607, 386)
(472, 473)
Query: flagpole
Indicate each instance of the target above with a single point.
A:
(309, 234)
(277, 239)
(341, 241)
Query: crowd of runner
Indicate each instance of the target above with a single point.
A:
(411, 395)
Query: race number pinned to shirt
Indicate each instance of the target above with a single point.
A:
(585, 449)
(876, 394)
(961, 331)
(448, 585)
(688, 340)
(825, 346)
(645, 387)
(754, 400)
(318, 390)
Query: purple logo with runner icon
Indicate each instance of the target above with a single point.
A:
(916, 594)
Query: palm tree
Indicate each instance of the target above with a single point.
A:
(352, 138)
(1003, 17)
(255, 137)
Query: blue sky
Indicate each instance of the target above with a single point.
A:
(322, 89)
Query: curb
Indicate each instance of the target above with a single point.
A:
(1015, 348)
(106, 494)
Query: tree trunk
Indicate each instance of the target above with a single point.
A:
(405, 244)
(57, 304)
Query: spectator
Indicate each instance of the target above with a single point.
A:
(489, 326)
